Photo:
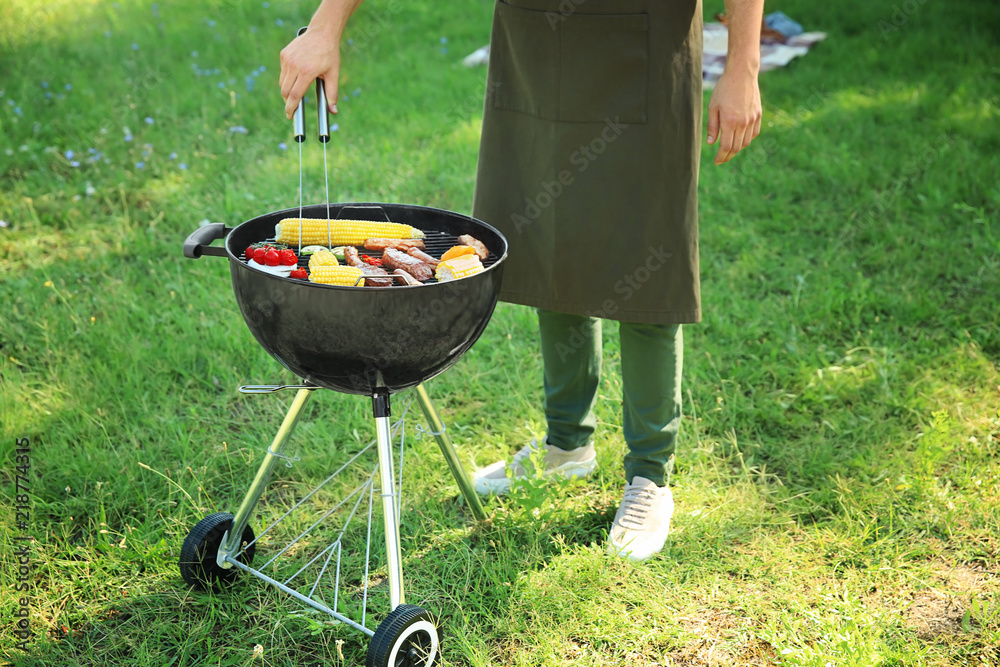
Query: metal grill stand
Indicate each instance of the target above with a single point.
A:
(222, 545)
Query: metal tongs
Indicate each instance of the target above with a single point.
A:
(322, 109)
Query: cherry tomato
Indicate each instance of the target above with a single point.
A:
(249, 253)
(287, 257)
(271, 257)
(258, 255)
(299, 273)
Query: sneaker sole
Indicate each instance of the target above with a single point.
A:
(501, 486)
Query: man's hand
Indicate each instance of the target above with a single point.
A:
(734, 109)
(314, 54)
(734, 113)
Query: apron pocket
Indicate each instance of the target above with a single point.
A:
(572, 68)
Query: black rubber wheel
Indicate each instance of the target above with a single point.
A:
(197, 562)
(408, 637)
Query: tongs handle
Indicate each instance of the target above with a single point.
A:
(322, 111)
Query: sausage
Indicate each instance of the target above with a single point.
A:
(481, 250)
(372, 273)
(394, 259)
(423, 257)
(379, 245)
(407, 278)
(352, 259)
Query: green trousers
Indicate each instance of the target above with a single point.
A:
(652, 359)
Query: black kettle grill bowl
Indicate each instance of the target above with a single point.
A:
(361, 340)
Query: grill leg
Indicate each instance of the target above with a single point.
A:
(231, 544)
(444, 442)
(383, 436)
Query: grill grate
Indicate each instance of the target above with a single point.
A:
(435, 244)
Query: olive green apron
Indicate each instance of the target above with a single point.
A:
(588, 161)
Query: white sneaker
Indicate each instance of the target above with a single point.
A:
(497, 479)
(642, 522)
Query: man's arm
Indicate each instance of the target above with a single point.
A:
(315, 54)
(734, 111)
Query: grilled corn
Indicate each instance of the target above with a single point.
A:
(340, 232)
(337, 275)
(322, 258)
(458, 267)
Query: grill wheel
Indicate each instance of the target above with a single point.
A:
(197, 561)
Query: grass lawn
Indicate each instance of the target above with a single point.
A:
(838, 478)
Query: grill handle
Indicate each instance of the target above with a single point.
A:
(200, 241)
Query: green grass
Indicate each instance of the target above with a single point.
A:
(837, 483)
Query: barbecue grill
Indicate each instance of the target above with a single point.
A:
(374, 341)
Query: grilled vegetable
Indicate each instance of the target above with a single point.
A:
(459, 267)
(481, 250)
(310, 249)
(299, 274)
(271, 257)
(336, 275)
(322, 258)
(341, 232)
(457, 251)
(287, 257)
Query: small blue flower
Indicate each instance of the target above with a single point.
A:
(194, 54)
(60, 96)
(279, 22)
(69, 86)
(211, 23)
(222, 85)
(255, 73)
(45, 84)
(262, 68)
(266, 5)
(140, 165)
(69, 154)
(216, 71)
(444, 40)
(17, 110)
(182, 166)
(128, 137)
(173, 156)
(350, 42)
(149, 121)
(334, 127)
(444, 49)
(283, 146)
(92, 151)
(48, 95)
(135, 47)
(253, 29)
(107, 33)
(238, 129)
(357, 91)
(74, 163)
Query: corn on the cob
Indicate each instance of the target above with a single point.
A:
(458, 267)
(337, 275)
(340, 232)
(322, 258)
(457, 251)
